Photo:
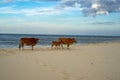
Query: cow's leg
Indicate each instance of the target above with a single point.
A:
(22, 44)
(52, 46)
(32, 47)
(56, 46)
(19, 46)
(68, 46)
(59, 46)
(62, 46)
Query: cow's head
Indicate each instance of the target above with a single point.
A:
(73, 40)
(36, 39)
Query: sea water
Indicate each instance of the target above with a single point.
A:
(12, 40)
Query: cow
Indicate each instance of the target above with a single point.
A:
(28, 41)
(67, 41)
(56, 44)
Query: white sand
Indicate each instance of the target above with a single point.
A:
(80, 62)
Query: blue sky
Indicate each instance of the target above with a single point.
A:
(71, 17)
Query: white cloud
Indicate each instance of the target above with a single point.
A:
(41, 11)
(102, 12)
(8, 10)
(88, 7)
(93, 7)
(30, 12)
(8, 1)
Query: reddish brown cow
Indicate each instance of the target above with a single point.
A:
(67, 41)
(28, 41)
(56, 44)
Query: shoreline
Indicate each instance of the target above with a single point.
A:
(75, 44)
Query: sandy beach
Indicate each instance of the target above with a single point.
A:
(99, 61)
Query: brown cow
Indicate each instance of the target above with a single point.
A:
(56, 44)
(28, 41)
(67, 41)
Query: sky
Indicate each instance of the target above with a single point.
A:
(70, 17)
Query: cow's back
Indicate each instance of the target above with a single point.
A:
(29, 41)
(64, 40)
(56, 43)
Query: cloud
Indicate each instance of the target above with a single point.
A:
(40, 11)
(93, 7)
(30, 11)
(46, 0)
(88, 7)
(8, 1)
(103, 23)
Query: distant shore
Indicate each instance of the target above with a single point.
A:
(98, 61)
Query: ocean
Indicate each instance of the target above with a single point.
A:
(12, 40)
